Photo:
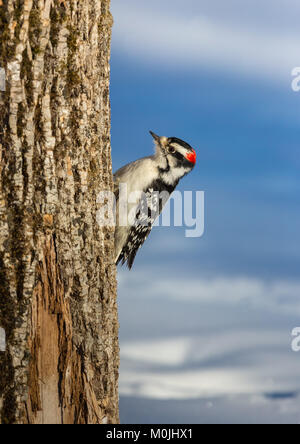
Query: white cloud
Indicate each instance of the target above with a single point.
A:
(206, 383)
(278, 295)
(159, 369)
(173, 38)
(229, 358)
(189, 350)
(189, 384)
(162, 352)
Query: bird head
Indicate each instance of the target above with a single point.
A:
(178, 152)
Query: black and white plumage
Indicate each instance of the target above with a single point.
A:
(152, 179)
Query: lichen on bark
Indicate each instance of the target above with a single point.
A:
(57, 276)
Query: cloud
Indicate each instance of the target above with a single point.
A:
(170, 352)
(249, 409)
(188, 384)
(201, 350)
(277, 295)
(158, 369)
(178, 40)
(204, 338)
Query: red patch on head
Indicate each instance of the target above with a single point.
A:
(191, 157)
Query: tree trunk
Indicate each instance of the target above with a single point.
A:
(57, 276)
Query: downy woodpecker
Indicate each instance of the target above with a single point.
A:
(151, 180)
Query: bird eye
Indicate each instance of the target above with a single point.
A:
(171, 149)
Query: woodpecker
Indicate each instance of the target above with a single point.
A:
(152, 179)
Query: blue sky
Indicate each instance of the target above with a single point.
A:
(220, 78)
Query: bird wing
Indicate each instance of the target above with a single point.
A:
(148, 209)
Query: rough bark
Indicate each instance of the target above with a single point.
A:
(57, 277)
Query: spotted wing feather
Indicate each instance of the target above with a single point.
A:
(147, 211)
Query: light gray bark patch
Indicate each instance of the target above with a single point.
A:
(2, 340)
(2, 79)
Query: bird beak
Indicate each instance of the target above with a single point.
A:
(162, 142)
(155, 136)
